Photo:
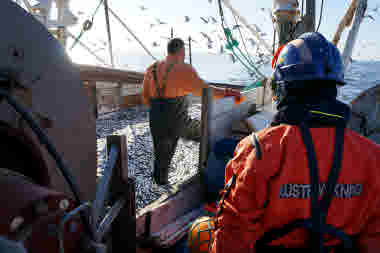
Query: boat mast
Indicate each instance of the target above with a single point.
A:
(108, 31)
(345, 22)
(130, 32)
(352, 36)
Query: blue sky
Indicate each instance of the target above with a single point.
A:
(173, 13)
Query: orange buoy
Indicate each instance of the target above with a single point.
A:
(201, 235)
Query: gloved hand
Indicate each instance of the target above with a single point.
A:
(228, 92)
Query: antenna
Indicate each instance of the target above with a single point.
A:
(190, 50)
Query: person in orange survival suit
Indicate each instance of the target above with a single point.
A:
(166, 83)
(306, 183)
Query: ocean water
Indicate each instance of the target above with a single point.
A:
(360, 75)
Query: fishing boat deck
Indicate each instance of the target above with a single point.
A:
(134, 123)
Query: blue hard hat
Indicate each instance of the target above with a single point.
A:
(310, 57)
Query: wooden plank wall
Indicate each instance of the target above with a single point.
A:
(107, 97)
(155, 217)
(118, 88)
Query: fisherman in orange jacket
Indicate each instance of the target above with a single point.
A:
(166, 83)
(307, 183)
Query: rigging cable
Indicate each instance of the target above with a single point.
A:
(233, 43)
(89, 50)
(250, 64)
(228, 37)
(241, 36)
(129, 30)
(320, 16)
(105, 3)
(87, 25)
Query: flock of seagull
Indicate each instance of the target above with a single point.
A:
(216, 40)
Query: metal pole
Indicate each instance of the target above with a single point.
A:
(310, 12)
(190, 50)
(353, 34)
(108, 31)
(130, 31)
(172, 33)
(345, 22)
(204, 148)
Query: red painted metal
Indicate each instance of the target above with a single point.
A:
(20, 153)
(40, 206)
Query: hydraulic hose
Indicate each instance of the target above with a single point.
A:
(43, 138)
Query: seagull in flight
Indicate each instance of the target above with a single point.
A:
(164, 37)
(160, 22)
(213, 20)
(204, 20)
(257, 28)
(252, 41)
(376, 9)
(143, 8)
(103, 42)
(369, 16)
(206, 37)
